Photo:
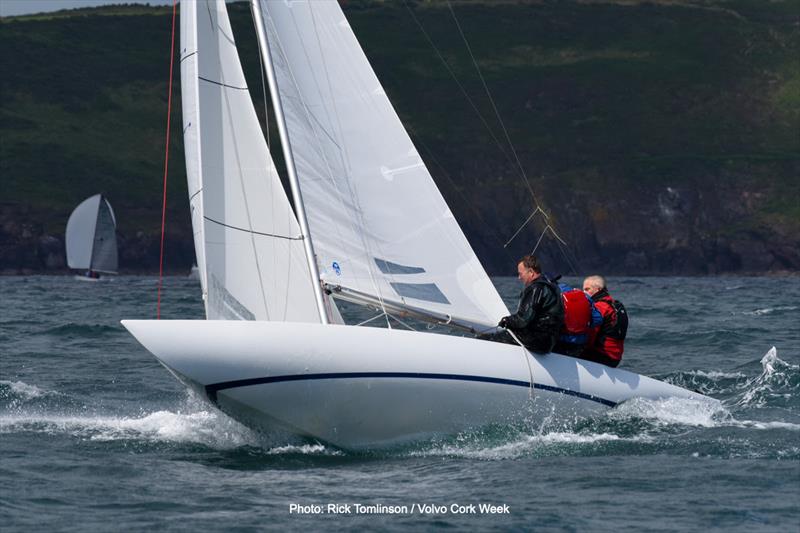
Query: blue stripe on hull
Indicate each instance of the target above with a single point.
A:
(211, 390)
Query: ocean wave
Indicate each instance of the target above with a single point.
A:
(715, 375)
(303, 449)
(672, 411)
(191, 422)
(18, 390)
(708, 382)
(73, 329)
(755, 424)
(777, 385)
(202, 427)
(552, 443)
(770, 310)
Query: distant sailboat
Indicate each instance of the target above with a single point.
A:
(91, 238)
(274, 353)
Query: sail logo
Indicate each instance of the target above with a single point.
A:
(336, 268)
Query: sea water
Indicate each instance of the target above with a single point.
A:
(96, 435)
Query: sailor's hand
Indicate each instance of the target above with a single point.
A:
(503, 323)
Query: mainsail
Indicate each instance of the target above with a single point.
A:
(380, 226)
(247, 239)
(90, 236)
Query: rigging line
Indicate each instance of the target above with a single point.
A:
(525, 355)
(474, 107)
(463, 196)
(460, 86)
(300, 238)
(494, 106)
(367, 321)
(166, 161)
(540, 239)
(537, 210)
(402, 323)
(561, 249)
(553, 231)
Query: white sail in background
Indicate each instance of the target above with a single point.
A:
(380, 225)
(248, 242)
(90, 237)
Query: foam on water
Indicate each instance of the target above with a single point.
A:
(552, 443)
(715, 375)
(779, 382)
(303, 449)
(17, 390)
(203, 427)
(672, 411)
(647, 421)
(770, 310)
(191, 422)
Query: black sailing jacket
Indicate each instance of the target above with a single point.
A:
(540, 315)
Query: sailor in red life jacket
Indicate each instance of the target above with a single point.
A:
(606, 342)
(581, 317)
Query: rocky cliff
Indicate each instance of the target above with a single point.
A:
(657, 137)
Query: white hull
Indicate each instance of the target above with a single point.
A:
(357, 387)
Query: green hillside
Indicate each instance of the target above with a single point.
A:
(661, 137)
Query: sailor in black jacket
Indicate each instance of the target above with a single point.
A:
(540, 313)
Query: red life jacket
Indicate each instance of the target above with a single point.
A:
(608, 340)
(577, 312)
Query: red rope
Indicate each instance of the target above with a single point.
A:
(166, 161)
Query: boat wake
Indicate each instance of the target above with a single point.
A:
(635, 426)
(192, 423)
(684, 426)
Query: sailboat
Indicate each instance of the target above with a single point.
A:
(91, 238)
(367, 225)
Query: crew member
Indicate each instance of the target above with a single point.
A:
(580, 317)
(540, 313)
(606, 342)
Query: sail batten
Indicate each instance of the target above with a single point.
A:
(370, 199)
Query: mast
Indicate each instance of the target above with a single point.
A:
(289, 158)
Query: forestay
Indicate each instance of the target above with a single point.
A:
(247, 239)
(90, 237)
(380, 225)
